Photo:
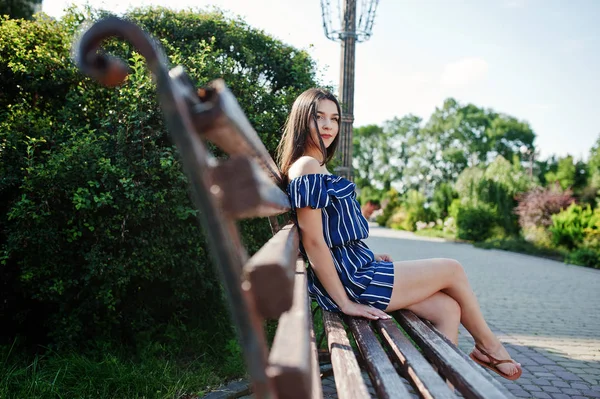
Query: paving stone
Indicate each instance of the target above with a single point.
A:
(532, 388)
(554, 367)
(567, 376)
(541, 381)
(544, 360)
(521, 393)
(534, 369)
(543, 374)
(329, 390)
(579, 385)
(541, 395)
(560, 383)
(590, 379)
(571, 391)
(555, 333)
(591, 393)
(550, 388)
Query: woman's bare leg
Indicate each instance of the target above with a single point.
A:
(442, 311)
(415, 281)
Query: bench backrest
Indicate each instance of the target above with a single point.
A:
(247, 184)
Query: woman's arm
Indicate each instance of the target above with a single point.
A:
(319, 256)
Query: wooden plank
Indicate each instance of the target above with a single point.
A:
(477, 367)
(271, 270)
(385, 379)
(221, 120)
(469, 381)
(317, 387)
(245, 191)
(290, 361)
(348, 378)
(414, 367)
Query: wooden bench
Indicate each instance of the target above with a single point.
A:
(272, 283)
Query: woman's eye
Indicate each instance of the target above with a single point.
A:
(336, 120)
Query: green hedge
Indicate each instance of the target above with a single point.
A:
(99, 238)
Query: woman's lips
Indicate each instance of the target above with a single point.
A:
(326, 136)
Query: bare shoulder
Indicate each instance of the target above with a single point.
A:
(304, 166)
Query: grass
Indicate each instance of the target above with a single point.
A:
(511, 244)
(436, 233)
(521, 246)
(154, 372)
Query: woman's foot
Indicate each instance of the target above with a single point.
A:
(497, 360)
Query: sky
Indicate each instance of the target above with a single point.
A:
(536, 60)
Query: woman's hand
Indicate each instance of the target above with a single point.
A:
(383, 257)
(366, 311)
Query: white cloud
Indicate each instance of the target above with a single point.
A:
(464, 72)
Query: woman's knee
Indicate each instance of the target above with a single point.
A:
(454, 268)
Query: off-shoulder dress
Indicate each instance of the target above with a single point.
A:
(366, 281)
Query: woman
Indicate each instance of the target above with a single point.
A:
(344, 275)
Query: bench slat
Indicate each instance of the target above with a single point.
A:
(348, 379)
(480, 369)
(221, 120)
(271, 272)
(415, 367)
(469, 381)
(245, 191)
(317, 386)
(289, 360)
(385, 379)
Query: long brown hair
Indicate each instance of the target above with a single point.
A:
(296, 133)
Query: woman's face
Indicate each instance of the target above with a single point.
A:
(328, 121)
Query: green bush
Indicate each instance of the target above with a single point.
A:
(415, 210)
(398, 219)
(370, 194)
(569, 226)
(584, 257)
(498, 186)
(100, 239)
(474, 222)
(443, 196)
(390, 201)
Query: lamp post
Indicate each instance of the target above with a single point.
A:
(353, 27)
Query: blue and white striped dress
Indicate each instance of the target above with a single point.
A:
(365, 280)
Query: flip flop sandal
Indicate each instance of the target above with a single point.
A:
(493, 364)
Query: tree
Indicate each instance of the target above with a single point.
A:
(19, 9)
(382, 154)
(569, 174)
(367, 143)
(460, 136)
(594, 165)
(507, 135)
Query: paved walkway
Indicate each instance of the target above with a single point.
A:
(547, 313)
